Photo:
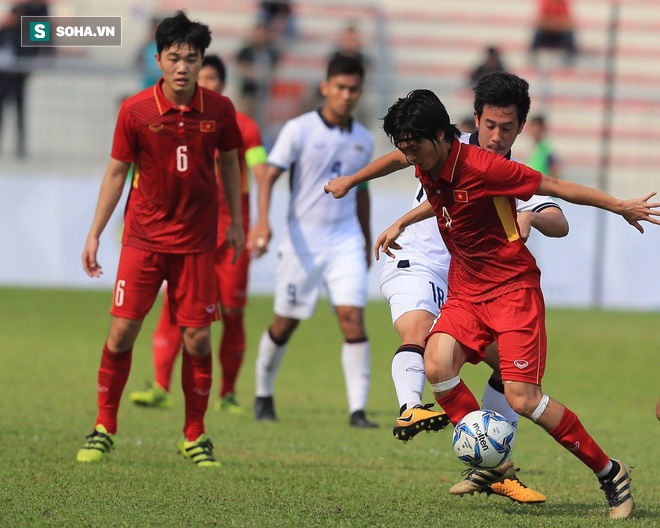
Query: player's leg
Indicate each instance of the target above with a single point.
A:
(414, 293)
(193, 303)
(522, 363)
(495, 400)
(166, 343)
(138, 278)
(232, 292)
(565, 427)
(459, 336)
(272, 347)
(409, 378)
(345, 277)
(356, 363)
(297, 289)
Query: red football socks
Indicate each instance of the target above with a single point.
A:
(571, 434)
(458, 402)
(112, 377)
(196, 379)
(232, 350)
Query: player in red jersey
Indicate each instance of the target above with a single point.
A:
(494, 283)
(231, 278)
(170, 132)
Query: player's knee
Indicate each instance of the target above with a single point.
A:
(282, 329)
(123, 333)
(352, 323)
(524, 402)
(197, 341)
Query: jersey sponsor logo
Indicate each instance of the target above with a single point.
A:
(521, 364)
(156, 127)
(210, 308)
(460, 196)
(207, 126)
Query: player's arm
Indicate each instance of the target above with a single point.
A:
(256, 242)
(111, 189)
(364, 217)
(387, 239)
(634, 210)
(378, 168)
(231, 183)
(550, 221)
(261, 232)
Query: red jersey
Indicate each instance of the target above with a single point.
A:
(173, 203)
(474, 201)
(251, 139)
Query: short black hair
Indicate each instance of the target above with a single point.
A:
(216, 62)
(179, 29)
(501, 89)
(345, 65)
(418, 116)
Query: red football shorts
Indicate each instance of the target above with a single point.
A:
(190, 280)
(231, 279)
(515, 320)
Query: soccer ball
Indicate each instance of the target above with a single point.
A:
(482, 439)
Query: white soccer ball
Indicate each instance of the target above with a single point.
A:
(482, 439)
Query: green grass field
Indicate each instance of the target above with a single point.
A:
(309, 468)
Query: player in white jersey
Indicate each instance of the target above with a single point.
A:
(414, 282)
(327, 242)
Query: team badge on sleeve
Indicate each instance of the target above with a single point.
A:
(207, 126)
(460, 196)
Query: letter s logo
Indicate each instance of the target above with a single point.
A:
(39, 31)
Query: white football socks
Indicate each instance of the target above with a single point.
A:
(268, 363)
(496, 401)
(356, 362)
(408, 377)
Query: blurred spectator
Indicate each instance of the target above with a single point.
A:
(350, 45)
(146, 58)
(554, 29)
(492, 63)
(256, 67)
(15, 66)
(542, 157)
(467, 124)
(278, 17)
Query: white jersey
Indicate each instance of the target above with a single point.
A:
(315, 152)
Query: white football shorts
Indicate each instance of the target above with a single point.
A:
(301, 277)
(409, 285)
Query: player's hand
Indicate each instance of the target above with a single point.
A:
(338, 187)
(235, 238)
(387, 240)
(525, 219)
(259, 238)
(89, 262)
(638, 209)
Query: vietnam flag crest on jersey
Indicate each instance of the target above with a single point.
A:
(207, 126)
(460, 196)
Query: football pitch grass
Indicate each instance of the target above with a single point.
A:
(309, 468)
